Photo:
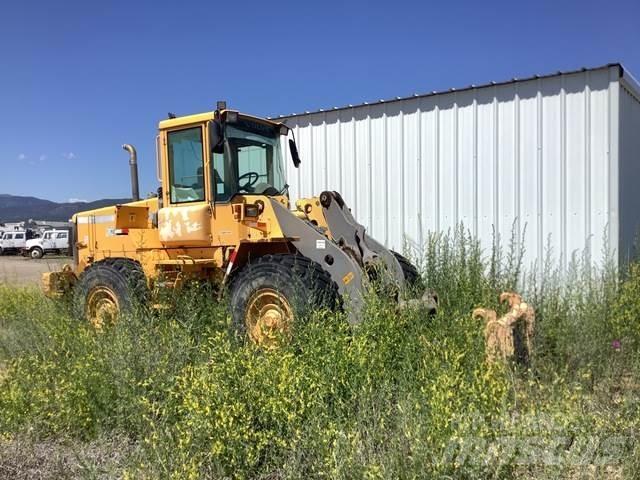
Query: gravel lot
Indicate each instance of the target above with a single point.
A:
(18, 270)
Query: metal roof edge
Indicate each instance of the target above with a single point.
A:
(623, 74)
(630, 82)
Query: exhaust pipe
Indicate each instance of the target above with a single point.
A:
(133, 164)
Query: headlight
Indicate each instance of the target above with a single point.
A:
(251, 210)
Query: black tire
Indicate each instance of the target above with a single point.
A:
(302, 282)
(36, 253)
(122, 276)
(410, 272)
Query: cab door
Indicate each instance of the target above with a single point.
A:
(19, 240)
(185, 220)
(7, 241)
(62, 241)
(47, 243)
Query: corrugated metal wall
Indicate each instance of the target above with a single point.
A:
(537, 153)
(629, 168)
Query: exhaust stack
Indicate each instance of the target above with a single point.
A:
(133, 164)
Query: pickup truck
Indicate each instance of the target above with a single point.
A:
(52, 241)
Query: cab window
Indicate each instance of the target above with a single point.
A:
(47, 235)
(7, 236)
(19, 236)
(186, 165)
(253, 158)
(62, 235)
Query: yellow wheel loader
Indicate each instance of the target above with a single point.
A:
(222, 215)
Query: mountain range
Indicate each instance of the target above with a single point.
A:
(15, 208)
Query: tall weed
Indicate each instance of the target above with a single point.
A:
(401, 395)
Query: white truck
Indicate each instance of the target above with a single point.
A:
(52, 241)
(13, 241)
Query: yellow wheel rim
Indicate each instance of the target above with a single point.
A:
(102, 307)
(268, 317)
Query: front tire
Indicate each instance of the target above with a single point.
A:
(270, 294)
(108, 288)
(412, 277)
(36, 253)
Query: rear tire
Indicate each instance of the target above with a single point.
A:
(36, 253)
(270, 294)
(108, 288)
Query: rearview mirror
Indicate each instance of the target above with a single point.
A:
(294, 153)
(215, 137)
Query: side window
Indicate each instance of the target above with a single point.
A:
(62, 235)
(219, 176)
(186, 179)
(19, 236)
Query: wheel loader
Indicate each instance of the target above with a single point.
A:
(222, 215)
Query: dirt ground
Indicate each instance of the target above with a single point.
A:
(18, 270)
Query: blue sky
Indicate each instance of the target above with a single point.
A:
(79, 78)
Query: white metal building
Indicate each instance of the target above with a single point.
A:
(559, 153)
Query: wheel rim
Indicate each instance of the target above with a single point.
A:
(35, 254)
(268, 317)
(102, 306)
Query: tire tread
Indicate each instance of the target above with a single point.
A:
(411, 274)
(301, 274)
(123, 274)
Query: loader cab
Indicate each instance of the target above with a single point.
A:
(208, 163)
(217, 156)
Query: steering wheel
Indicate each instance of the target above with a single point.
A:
(251, 179)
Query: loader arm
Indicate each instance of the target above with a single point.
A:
(351, 235)
(313, 244)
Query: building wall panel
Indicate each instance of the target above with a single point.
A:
(553, 179)
(629, 169)
(534, 154)
(487, 195)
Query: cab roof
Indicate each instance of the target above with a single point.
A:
(203, 117)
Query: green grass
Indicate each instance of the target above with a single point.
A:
(174, 395)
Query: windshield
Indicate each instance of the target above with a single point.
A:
(251, 163)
